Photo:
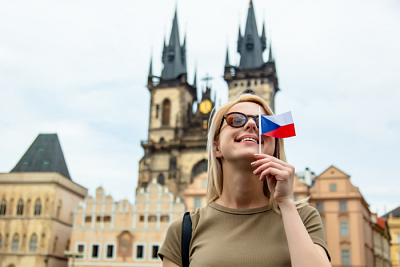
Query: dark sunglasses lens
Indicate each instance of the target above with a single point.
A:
(236, 120)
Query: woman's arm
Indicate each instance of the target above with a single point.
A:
(279, 176)
(168, 263)
(303, 252)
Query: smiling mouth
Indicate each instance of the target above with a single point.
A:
(247, 139)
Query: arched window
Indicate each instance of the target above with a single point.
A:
(20, 207)
(59, 209)
(249, 91)
(15, 243)
(38, 207)
(160, 179)
(43, 240)
(166, 112)
(55, 244)
(33, 243)
(198, 168)
(3, 207)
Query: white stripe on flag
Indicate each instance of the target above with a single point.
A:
(281, 119)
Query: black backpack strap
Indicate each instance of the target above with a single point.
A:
(185, 238)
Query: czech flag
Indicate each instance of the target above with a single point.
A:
(279, 126)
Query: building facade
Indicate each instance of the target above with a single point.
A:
(36, 209)
(381, 241)
(110, 233)
(393, 222)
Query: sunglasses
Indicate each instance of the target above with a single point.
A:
(237, 119)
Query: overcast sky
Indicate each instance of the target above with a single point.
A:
(79, 69)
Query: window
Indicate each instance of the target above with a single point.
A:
(15, 243)
(1, 241)
(107, 218)
(88, 218)
(67, 245)
(59, 209)
(157, 110)
(398, 240)
(204, 184)
(236, 84)
(255, 82)
(152, 218)
(139, 252)
(166, 112)
(55, 244)
(197, 202)
(95, 251)
(344, 228)
(164, 218)
(98, 219)
(262, 81)
(46, 161)
(41, 148)
(141, 218)
(33, 243)
(296, 198)
(346, 257)
(110, 251)
(43, 241)
(332, 187)
(320, 206)
(248, 83)
(20, 207)
(38, 207)
(154, 252)
(343, 205)
(26, 161)
(3, 207)
(160, 179)
(80, 247)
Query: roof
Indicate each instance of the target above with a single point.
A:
(174, 55)
(251, 46)
(395, 213)
(381, 222)
(44, 155)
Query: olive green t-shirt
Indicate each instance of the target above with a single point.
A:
(235, 237)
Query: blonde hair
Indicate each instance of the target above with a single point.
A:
(215, 175)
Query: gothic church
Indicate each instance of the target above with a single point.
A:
(175, 151)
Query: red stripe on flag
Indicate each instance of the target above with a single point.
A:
(283, 131)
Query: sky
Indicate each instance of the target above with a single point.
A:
(79, 69)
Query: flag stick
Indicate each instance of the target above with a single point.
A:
(259, 129)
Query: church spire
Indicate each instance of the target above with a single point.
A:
(263, 38)
(227, 59)
(174, 55)
(270, 56)
(151, 67)
(250, 46)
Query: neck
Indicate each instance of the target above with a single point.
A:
(241, 188)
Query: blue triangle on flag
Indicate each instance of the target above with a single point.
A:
(267, 125)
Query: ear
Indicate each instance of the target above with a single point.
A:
(217, 150)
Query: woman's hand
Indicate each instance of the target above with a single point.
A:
(279, 176)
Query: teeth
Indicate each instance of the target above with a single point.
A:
(249, 139)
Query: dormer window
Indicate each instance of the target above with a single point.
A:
(249, 42)
(171, 53)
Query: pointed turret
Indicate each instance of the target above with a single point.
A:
(251, 46)
(270, 55)
(151, 67)
(195, 78)
(44, 155)
(227, 65)
(263, 38)
(240, 39)
(174, 55)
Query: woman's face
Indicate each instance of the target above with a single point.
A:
(231, 145)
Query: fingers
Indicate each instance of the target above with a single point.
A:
(279, 174)
(271, 158)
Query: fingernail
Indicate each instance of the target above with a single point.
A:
(253, 163)
(255, 171)
(256, 154)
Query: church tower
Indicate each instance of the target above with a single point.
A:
(253, 75)
(175, 151)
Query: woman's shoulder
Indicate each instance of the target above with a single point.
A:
(306, 211)
(176, 226)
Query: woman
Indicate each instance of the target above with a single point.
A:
(251, 218)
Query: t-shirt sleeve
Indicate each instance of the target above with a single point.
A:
(171, 248)
(313, 224)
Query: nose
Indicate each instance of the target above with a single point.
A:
(251, 124)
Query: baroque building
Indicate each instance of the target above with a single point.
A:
(393, 222)
(175, 149)
(116, 233)
(37, 199)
